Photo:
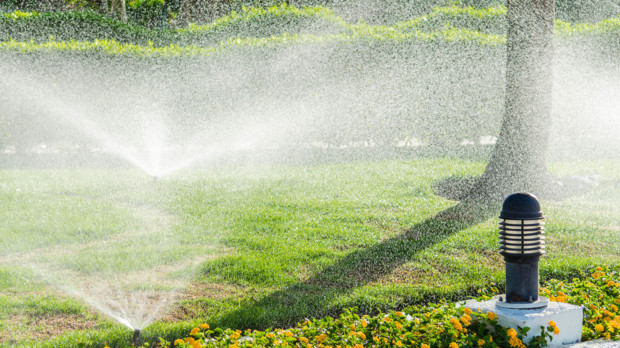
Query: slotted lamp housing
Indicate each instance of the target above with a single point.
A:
(522, 242)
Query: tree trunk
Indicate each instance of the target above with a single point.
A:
(518, 162)
(119, 10)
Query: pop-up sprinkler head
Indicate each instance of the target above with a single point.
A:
(136, 337)
(522, 242)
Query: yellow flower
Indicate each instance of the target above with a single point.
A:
(204, 326)
(364, 323)
(613, 308)
(424, 345)
(361, 335)
(491, 315)
(556, 331)
(288, 333)
(398, 325)
(352, 327)
(322, 337)
(599, 268)
(599, 328)
(303, 339)
(467, 311)
(611, 283)
(481, 343)
(466, 319)
(454, 345)
(270, 335)
(358, 346)
(179, 341)
(597, 275)
(189, 340)
(195, 344)
(194, 331)
(456, 324)
(236, 335)
(617, 300)
(399, 344)
(511, 332)
(514, 342)
(552, 323)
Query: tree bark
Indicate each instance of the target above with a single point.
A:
(119, 10)
(518, 162)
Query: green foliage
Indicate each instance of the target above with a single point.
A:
(433, 325)
(147, 13)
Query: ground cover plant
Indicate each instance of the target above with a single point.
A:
(435, 325)
(319, 239)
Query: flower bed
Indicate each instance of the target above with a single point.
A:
(435, 325)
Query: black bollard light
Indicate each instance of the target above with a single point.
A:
(522, 242)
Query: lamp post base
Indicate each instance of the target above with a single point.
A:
(567, 317)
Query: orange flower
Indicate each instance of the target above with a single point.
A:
(511, 332)
(599, 328)
(194, 331)
(491, 315)
(322, 337)
(204, 326)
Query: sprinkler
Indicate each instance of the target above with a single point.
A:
(136, 337)
(522, 242)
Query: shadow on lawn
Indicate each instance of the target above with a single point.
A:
(311, 298)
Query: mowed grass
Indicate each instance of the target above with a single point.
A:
(267, 246)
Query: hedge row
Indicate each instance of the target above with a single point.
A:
(384, 84)
(468, 22)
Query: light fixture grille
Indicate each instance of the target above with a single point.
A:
(521, 237)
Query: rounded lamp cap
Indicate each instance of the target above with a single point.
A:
(521, 206)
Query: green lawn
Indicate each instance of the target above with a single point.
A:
(264, 246)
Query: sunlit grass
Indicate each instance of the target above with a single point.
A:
(318, 238)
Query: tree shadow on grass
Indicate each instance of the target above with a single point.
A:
(312, 298)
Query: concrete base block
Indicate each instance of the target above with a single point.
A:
(568, 318)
